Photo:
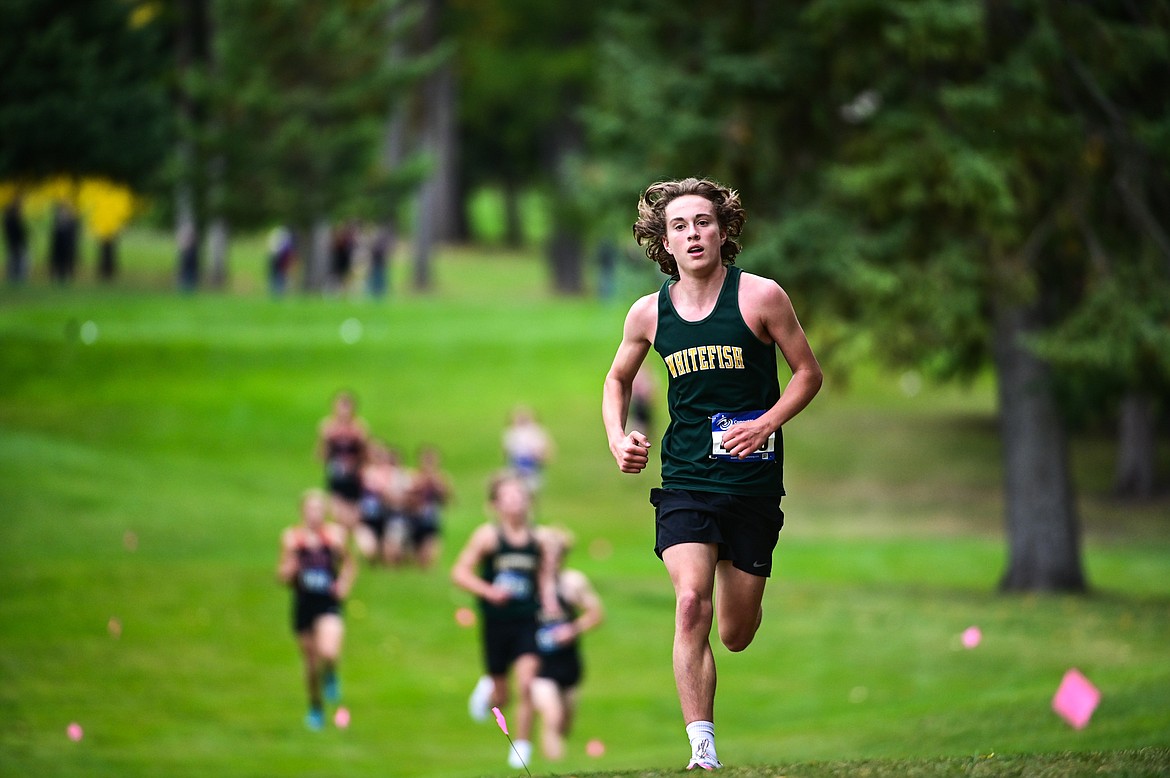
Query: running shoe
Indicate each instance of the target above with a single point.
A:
(519, 754)
(315, 719)
(702, 756)
(480, 703)
(332, 687)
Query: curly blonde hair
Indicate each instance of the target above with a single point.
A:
(650, 228)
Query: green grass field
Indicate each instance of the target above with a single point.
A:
(152, 446)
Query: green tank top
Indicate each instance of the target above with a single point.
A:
(718, 369)
(516, 569)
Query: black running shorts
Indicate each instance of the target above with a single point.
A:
(307, 608)
(745, 528)
(505, 641)
(562, 668)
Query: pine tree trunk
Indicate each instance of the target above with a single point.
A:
(1042, 526)
(1134, 477)
(567, 257)
(312, 247)
(444, 145)
(217, 249)
(107, 259)
(192, 53)
(394, 138)
(317, 266)
(437, 220)
(513, 223)
(566, 253)
(424, 239)
(186, 236)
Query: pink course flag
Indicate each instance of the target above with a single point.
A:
(504, 728)
(1076, 699)
(500, 720)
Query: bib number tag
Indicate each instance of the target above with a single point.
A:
(339, 468)
(316, 581)
(518, 586)
(546, 641)
(722, 422)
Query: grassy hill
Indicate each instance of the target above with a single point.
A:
(153, 445)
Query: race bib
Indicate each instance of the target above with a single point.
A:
(546, 641)
(371, 506)
(722, 422)
(316, 581)
(339, 468)
(517, 585)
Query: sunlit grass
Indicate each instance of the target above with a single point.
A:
(147, 464)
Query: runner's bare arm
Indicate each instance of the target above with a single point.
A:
(348, 571)
(286, 567)
(479, 545)
(630, 451)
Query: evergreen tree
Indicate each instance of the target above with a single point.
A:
(526, 70)
(947, 173)
(299, 97)
(82, 91)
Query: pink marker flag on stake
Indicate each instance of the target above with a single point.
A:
(1076, 699)
(500, 720)
(504, 727)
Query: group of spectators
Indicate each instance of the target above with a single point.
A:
(64, 245)
(352, 248)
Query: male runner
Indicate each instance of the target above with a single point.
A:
(315, 564)
(717, 514)
(508, 565)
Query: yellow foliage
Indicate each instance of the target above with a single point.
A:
(143, 14)
(106, 207)
(39, 199)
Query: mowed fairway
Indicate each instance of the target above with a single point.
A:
(152, 446)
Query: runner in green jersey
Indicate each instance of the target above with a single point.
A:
(509, 564)
(717, 330)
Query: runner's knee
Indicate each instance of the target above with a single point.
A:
(736, 635)
(693, 611)
(736, 639)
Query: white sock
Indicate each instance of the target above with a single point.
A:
(698, 731)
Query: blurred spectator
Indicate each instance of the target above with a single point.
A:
(341, 251)
(188, 258)
(63, 243)
(381, 251)
(281, 255)
(107, 259)
(16, 241)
